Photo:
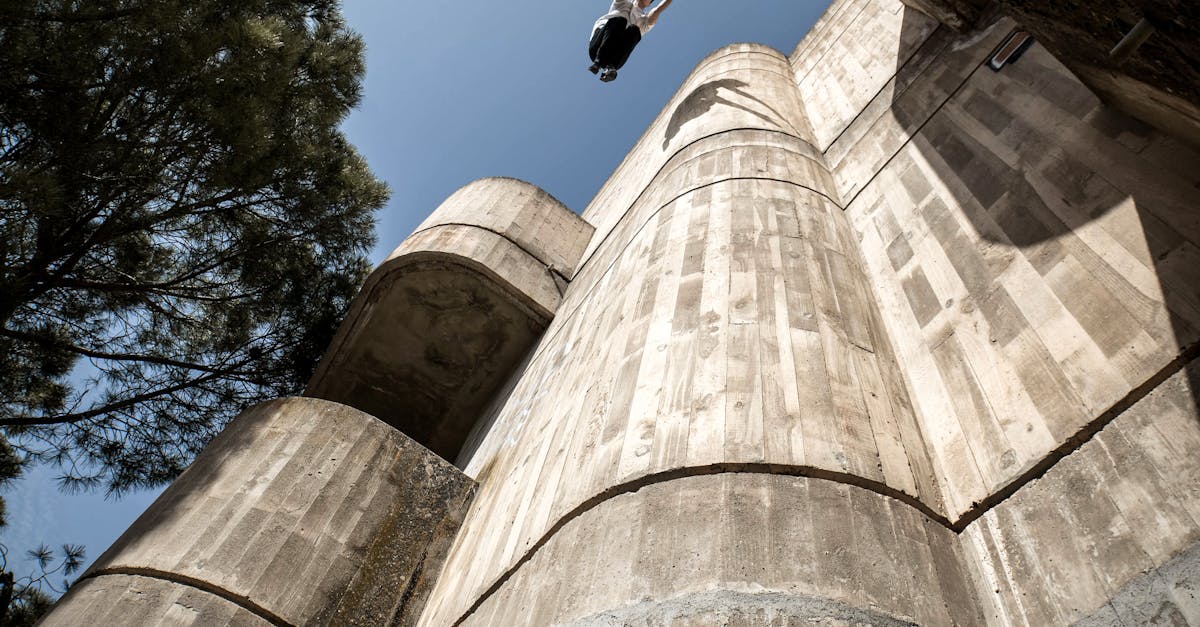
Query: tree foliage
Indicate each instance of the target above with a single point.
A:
(24, 600)
(183, 223)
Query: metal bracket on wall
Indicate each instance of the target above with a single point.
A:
(1011, 50)
(1132, 41)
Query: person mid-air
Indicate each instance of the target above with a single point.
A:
(617, 32)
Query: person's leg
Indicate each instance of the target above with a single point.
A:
(597, 41)
(611, 44)
(619, 47)
(628, 40)
(594, 48)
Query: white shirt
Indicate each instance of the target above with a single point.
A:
(628, 9)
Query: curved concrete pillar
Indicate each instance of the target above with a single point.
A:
(742, 86)
(711, 426)
(740, 549)
(301, 512)
(442, 323)
(720, 335)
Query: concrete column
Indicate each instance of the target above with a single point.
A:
(443, 322)
(301, 512)
(693, 414)
(717, 368)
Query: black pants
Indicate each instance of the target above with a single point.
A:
(612, 44)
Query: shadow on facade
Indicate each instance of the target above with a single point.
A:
(708, 95)
(1084, 193)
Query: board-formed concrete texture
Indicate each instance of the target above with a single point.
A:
(302, 511)
(1039, 282)
(442, 323)
(867, 334)
(1157, 80)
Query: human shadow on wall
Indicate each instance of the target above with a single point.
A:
(708, 95)
(1042, 170)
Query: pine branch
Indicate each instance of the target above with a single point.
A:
(121, 357)
(29, 421)
(72, 18)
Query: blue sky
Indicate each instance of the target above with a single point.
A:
(457, 91)
(460, 91)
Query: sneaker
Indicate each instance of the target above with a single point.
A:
(608, 74)
(593, 68)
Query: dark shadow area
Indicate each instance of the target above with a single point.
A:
(439, 339)
(708, 95)
(1036, 180)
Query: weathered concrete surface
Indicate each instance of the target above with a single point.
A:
(137, 600)
(522, 213)
(1159, 84)
(1085, 535)
(743, 86)
(302, 511)
(1168, 595)
(892, 71)
(740, 608)
(1034, 254)
(722, 318)
(444, 321)
(852, 58)
(696, 549)
(430, 343)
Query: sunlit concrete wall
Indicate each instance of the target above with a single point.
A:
(1034, 254)
(442, 323)
(301, 512)
(867, 334)
(717, 362)
(1031, 273)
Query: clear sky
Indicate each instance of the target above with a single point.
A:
(457, 91)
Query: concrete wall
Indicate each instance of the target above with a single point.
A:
(1109, 535)
(869, 334)
(852, 59)
(442, 323)
(721, 323)
(1158, 83)
(300, 512)
(918, 66)
(1027, 256)
(1033, 253)
(1035, 257)
(740, 548)
(744, 86)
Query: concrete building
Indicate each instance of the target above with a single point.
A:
(897, 329)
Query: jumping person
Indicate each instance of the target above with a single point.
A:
(617, 32)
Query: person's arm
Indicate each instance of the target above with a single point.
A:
(654, 13)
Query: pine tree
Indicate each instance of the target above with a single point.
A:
(23, 600)
(183, 223)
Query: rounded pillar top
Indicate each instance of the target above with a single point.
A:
(518, 211)
(738, 89)
(740, 48)
(445, 320)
